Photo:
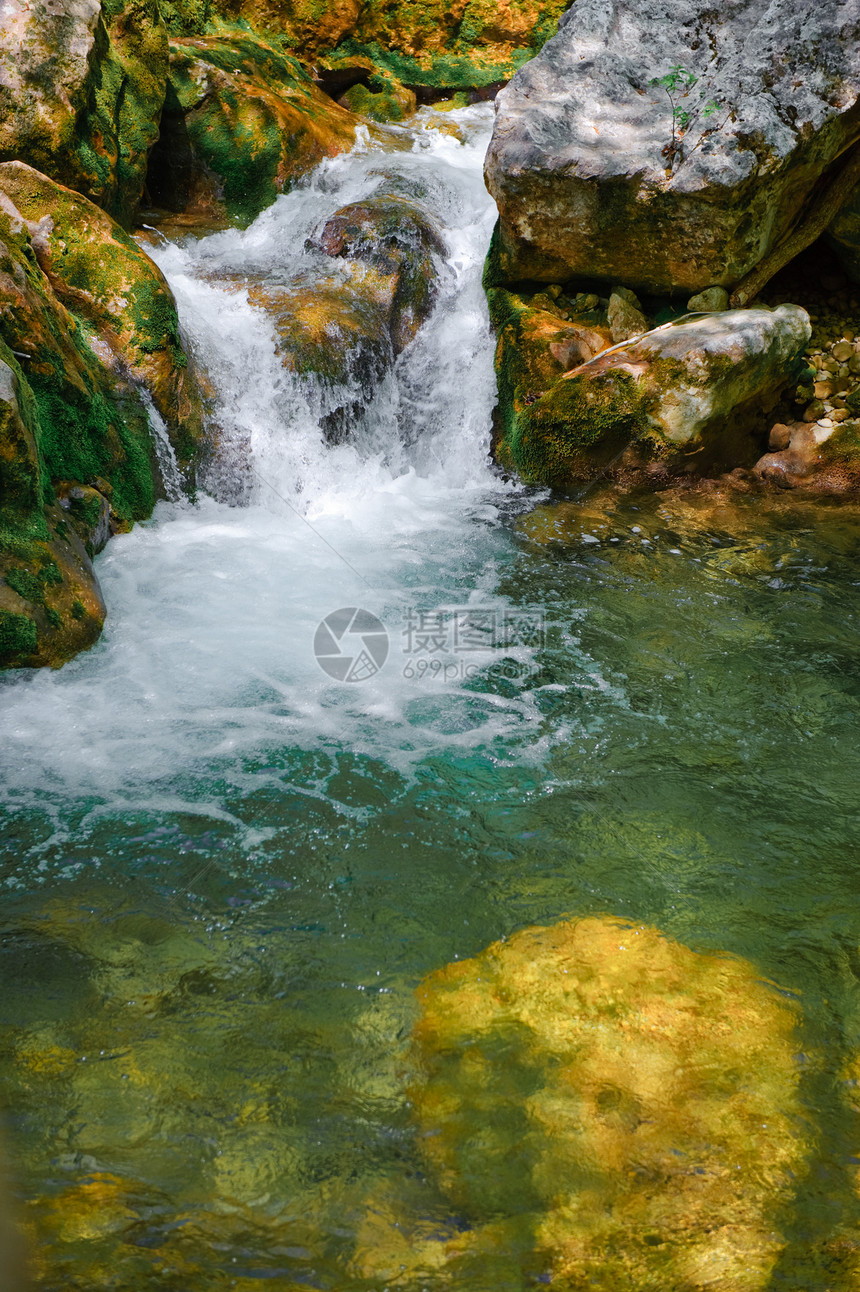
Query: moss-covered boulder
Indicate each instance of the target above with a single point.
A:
(104, 277)
(70, 418)
(242, 122)
(50, 603)
(606, 1108)
(81, 90)
(380, 98)
(397, 239)
(687, 397)
(345, 328)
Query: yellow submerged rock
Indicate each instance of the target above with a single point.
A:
(620, 1107)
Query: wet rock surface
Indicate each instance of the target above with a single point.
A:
(596, 174)
(100, 273)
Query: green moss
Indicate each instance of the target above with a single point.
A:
(377, 106)
(83, 436)
(18, 638)
(843, 446)
(78, 609)
(26, 584)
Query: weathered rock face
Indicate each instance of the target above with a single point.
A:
(81, 90)
(685, 397)
(591, 177)
(242, 121)
(104, 277)
(607, 1107)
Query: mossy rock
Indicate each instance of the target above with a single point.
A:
(424, 43)
(81, 92)
(242, 123)
(396, 238)
(67, 414)
(608, 1108)
(100, 273)
(383, 99)
(691, 397)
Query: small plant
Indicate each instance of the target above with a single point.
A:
(678, 84)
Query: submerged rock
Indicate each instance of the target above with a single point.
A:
(595, 176)
(687, 396)
(242, 122)
(100, 273)
(610, 1109)
(81, 90)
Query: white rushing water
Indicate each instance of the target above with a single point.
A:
(207, 654)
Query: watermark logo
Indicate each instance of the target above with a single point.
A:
(351, 644)
(449, 645)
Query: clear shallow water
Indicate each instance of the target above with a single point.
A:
(225, 874)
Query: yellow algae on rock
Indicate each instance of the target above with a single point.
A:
(626, 1103)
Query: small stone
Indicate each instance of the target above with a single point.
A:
(826, 422)
(711, 301)
(843, 350)
(822, 389)
(780, 438)
(554, 291)
(854, 364)
(625, 321)
(840, 415)
(627, 295)
(814, 411)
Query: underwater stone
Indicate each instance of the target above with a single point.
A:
(616, 1108)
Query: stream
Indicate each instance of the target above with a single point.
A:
(225, 871)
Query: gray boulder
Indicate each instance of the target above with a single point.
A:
(593, 178)
(687, 397)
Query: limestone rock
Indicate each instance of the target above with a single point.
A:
(687, 394)
(610, 1107)
(590, 178)
(242, 122)
(625, 320)
(81, 89)
(100, 273)
(814, 457)
(711, 301)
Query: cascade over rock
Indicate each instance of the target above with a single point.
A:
(352, 323)
(594, 177)
(81, 90)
